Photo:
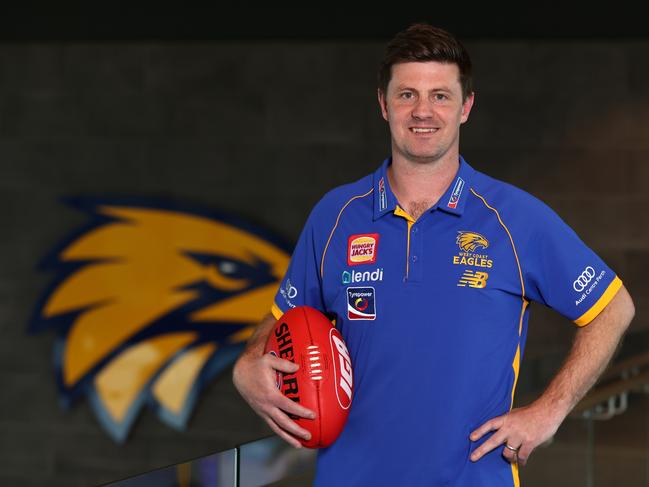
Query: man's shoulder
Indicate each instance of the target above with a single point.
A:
(334, 200)
(506, 196)
(522, 212)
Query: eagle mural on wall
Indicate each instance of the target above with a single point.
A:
(151, 302)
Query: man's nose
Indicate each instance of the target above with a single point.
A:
(423, 109)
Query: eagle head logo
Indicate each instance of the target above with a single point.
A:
(151, 303)
(470, 241)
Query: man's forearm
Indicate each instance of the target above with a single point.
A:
(591, 352)
(257, 341)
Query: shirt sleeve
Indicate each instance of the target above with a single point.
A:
(562, 272)
(302, 283)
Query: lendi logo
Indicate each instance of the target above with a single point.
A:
(358, 276)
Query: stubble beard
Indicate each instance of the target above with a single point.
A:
(430, 156)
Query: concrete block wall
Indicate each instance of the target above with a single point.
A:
(263, 130)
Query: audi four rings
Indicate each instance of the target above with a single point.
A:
(582, 281)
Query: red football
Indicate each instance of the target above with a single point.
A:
(324, 381)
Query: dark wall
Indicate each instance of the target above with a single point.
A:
(263, 129)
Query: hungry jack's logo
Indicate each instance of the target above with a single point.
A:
(151, 303)
(361, 248)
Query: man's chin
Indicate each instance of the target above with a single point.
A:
(425, 158)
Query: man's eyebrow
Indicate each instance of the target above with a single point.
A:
(407, 87)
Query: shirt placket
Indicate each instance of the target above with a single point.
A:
(412, 271)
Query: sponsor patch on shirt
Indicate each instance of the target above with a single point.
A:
(586, 283)
(288, 292)
(358, 276)
(383, 199)
(457, 192)
(361, 303)
(361, 249)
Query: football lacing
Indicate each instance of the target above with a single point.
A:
(314, 362)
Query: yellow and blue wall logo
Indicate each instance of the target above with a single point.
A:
(152, 301)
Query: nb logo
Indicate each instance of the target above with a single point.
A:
(582, 281)
(473, 279)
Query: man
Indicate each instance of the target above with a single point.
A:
(436, 326)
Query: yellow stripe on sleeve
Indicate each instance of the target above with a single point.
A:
(277, 313)
(601, 303)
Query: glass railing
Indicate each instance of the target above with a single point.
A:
(268, 461)
(604, 445)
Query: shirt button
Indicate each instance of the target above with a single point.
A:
(414, 258)
(414, 230)
(405, 279)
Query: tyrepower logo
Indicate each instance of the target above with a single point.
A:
(361, 303)
(342, 369)
(361, 249)
(584, 278)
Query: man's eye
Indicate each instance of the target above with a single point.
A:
(406, 95)
(440, 97)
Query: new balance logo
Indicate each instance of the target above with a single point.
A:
(473, 279)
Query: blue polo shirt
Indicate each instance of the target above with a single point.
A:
(434, 313)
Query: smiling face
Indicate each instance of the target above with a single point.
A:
(424, 108)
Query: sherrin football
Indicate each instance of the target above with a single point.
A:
(324, 381)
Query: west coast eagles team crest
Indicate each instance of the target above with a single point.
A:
(151, 302)
(471, 241)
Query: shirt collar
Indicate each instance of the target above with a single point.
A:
(452, 201)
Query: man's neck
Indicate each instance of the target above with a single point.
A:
(418, 186)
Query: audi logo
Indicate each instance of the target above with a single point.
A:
(582, 281)
(291, 290)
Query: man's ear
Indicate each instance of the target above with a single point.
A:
(382, 104)
(466, 107)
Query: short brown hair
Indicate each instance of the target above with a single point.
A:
(420, 43)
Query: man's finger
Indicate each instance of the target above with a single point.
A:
(497, 439)
(281, 433)
(287, 424)
(491, 425)
(292, 407)
(510, 455)
(524, 453)
(281, 364)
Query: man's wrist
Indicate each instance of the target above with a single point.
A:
(555, 407)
